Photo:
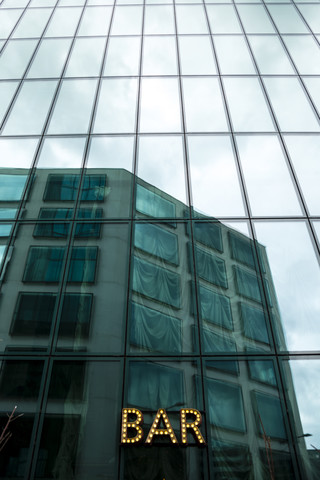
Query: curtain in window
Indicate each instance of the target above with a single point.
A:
(254, 323)
(156, 282)
(215, 308)
(154, 386)
(155, 463)
(211, 268)
(152, 204)
(242, 249)
(44, 264)
(247, 284)
(154, 330)
(209, 234)
(156, 241)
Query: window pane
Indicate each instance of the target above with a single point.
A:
(287, 19)
(249, 111)
(15, 58)
(32, 23)
(233, 55)
(127, 21)
(204, 108)
(191, 19)
(292, 116)
(215, 186)
(223, 19)
(123, 56)
(305, 53)
(268, 182)
(72, 111)
(161, 163)
(296, 279)
(159, 20)
(7, 91)
(270, 55)
(49, 59)
(95, 21)
(159, 56)
(17, 152)
(8, 19)
(304, 153)
(312, 15)
(29, 112)
(196, 55)
(116, 110)
(160, 105)
(86, 57)
(255, 19)
(44, 264)
(64, 22)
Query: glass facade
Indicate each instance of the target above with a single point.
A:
(160, 238)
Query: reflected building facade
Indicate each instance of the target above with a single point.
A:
(159, 219)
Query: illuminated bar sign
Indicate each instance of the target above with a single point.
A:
(132, 419)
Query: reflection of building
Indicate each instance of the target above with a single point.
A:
(65, 287)
(142, 145)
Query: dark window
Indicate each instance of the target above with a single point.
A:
(254, 323)
(209, 234)
(157, 241)
(247, 284)
(61, 230)
(65, 188)
(44, 264)
(20, 379)
(211, 268)
(34, 311)
(215, 308)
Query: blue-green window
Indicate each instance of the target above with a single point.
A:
(247, 284)
(65, 187)
(152, 204)
(157, 241)
(156, 282)
(211, 268)
(254, 323)
(215, 308)
(208, 234)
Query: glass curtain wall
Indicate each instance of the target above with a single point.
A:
(159, 238)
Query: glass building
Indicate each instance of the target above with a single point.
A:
(160, 239)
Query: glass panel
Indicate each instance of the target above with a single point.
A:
(204, 108)
(249, 111)
(116, 110)
(86, 57)
(29, 112)
(287, 19)
(159, 20)
(191, 19)
(8, 19)
(20, 385)
(233, 55)
(73, 409)
(18, 153)
(270, 55)
(102, 280)
(305, 53)
(311, 14)
(292, 116)
(296, 279)
(123, 56)
(268, 182)
(7, 91)
(153, 204)
(255, 19)
(159, 56)
(32, 23)
(160, 105)
(127, 21)
(223, 19)
(49, 59)
(304, 152)
(196, 55)
(246, 421)
(72, 111)
(215, 186)
(302, 386)
(15, 58)
(161, 164)
(95, 21)
(314, 90)
(64, 22)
